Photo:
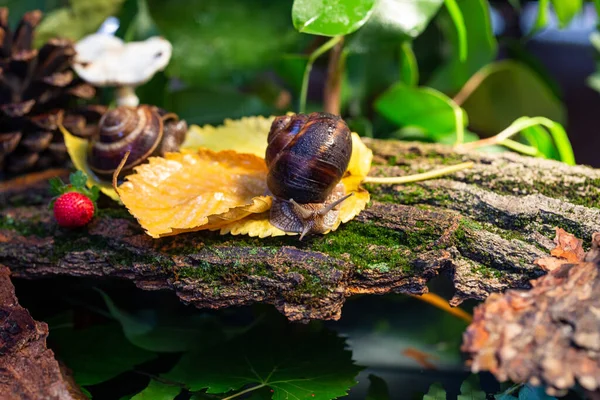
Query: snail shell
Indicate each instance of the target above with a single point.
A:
(307, 156)
(144, 131)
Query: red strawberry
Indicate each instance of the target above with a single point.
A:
(73, 210)
(74, 205)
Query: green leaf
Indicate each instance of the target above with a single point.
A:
(56, 186)
(461, 30)
(378, 389)
(556, 130)
(98, 353)
(78, 179)
(436, 392)
(565, 10)
(136, 23)
(539, 138)
(409, 70)
(215, 39)
(424, 108)
(94, 193)
(164, 332)
(470, 389)
(86, 392)
(529, 392)
(507, 91)
(481, 46)
(330, 18)
(81, 18)
(526, 392)
(158, 391)
(391, 22)
(594, 81)
(298, 362)
(541, 19)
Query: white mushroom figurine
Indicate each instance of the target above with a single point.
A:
(105, 60)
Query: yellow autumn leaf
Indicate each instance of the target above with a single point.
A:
(190, 191)
(245, 135)
(221, 184)
(77, 149)
(359, 165)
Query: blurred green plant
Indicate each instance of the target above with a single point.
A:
(417, 69)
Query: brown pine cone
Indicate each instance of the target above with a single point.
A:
(36, 89)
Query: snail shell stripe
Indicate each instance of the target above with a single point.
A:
(114, 141)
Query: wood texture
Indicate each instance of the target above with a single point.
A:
(28, 370)
(483, 228)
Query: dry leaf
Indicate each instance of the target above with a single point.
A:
(77, 148)
(545, 336)
(188, 191)
(568, 249)
(167, 196)
(568, 246)
(246, 135)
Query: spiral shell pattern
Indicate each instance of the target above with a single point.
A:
(307, 155)
(139, 130)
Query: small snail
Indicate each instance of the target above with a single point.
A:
(143, 131)
(307, 156)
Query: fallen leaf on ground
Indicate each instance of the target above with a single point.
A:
(245, 135)
(187, 191)
(568, 249)
(223, 190)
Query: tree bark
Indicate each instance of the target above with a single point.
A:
(28, 370)
(482, 227)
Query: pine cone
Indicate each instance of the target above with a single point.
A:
(36, 87)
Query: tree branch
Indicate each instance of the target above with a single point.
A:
(482, 227)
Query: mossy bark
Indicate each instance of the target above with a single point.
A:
(482, 227)
(28, 370)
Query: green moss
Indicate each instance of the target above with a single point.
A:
(410, 194)
(576, 193)
(486, 272)
(116, 255)
(29, 227)
(369, 246)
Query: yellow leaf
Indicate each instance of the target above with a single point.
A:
(246, 135)
(77, 149)
(190, 191)
(225, 190)
(359, 165)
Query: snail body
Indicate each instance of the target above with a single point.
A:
(143, 131)
(307, 156)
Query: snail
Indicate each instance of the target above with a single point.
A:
(307, 156)
(143, 131)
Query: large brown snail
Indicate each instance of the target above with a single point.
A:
(307, 156)
(142, 131)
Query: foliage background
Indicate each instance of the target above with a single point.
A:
(233, 58)
(404, 75)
